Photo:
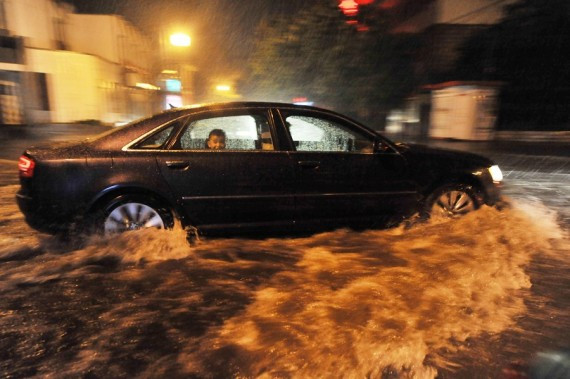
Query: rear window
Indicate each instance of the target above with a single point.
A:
(158, 139)
(240, 132)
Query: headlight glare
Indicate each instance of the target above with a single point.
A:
(496, 173)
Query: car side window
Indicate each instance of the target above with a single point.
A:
(238, 132)
(158, 139)
(318, 134)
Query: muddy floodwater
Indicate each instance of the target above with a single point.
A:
(461, 298)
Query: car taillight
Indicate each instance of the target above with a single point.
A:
(26, 166)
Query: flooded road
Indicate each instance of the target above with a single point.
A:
(449, 299)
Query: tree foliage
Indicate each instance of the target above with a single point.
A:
(317, 55)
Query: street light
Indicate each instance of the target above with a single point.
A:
(176, 71)
(223, 88)
(180, 39)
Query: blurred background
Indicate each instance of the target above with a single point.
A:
(470, 70)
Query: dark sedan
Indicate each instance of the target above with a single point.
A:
(247, 167)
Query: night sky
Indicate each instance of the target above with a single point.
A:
(222, 31)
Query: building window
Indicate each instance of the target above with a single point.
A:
(42, 91)
(59, 28)
(9, 50)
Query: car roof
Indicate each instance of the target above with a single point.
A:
(258, 104)
(247, 104)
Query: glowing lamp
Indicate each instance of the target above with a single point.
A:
(180, 39)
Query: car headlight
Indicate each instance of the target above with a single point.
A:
(496, 173)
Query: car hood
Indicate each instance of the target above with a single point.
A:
(423, 155)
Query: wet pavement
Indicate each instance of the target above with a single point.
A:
(465, 298)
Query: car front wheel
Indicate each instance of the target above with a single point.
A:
(451, 201)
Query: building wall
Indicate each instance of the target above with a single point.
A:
(80, 87)
(95, 35)
(463, 112)
(111, 38)
(68, 67)
(463, 12)
(470, 12)
(72, 83)
(441, 50)
(84, 87)
(444, 26)
(37, 21)
(418, 22)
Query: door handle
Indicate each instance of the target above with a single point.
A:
(178, 165)
(309, 164)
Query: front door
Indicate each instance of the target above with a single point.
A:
(341, 179)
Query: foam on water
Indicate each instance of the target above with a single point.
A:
(50, 259)
(382, 300)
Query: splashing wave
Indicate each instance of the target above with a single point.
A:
(342, 304)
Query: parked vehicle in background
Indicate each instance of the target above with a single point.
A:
(282, 167)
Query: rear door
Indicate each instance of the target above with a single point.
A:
(247, 185)
(340, 178)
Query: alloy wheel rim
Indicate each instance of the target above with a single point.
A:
(132, 216)
(453, 203)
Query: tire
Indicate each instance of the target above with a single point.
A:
(133, 212)
(451, 200)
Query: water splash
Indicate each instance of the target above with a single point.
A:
(381, 300)
(344, 304)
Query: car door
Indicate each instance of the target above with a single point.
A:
(341, 176)
(248, 184)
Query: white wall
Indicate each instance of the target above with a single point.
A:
(90, 62)
(463, 112)
(94, 34)
(77, 84)
(35, 20)
(107, 36)
(111, 38)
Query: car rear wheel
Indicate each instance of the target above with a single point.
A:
(451, 201)
(132, 212)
